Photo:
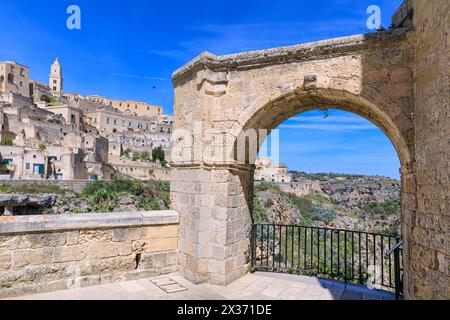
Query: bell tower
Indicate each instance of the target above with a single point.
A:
(56, 80)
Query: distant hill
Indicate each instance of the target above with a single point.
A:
(353, 202)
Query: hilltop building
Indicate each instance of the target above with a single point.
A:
(135, 108)
(267, 170)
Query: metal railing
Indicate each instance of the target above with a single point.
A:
(397, 250)
(350, 256)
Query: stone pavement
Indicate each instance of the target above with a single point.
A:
(257, 286)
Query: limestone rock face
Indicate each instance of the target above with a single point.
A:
(20, 200)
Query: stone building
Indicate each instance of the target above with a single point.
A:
(14, 78)
(267, 170)
(136, 108)
(141, 142)
(24, 163)
(109, 121)
(71, 115)
(39, 91)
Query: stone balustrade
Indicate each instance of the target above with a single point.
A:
(47, 253)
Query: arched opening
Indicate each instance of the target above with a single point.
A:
(10, 78)
(281, 239)
(331, 164)
(276, 111)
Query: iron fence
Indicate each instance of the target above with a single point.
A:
(352, 256)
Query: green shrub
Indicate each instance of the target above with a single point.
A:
(6, 188)
(126, 153)
(260, 214)
(117, 186)
(386, 208)
(265, 186)
(148, 204)
(303, 205)
(31, 188)
(145, 156)
(322, 214)
(269, 203)
(8, 142)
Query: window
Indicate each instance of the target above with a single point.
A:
(115, 121)
(7, 161)
(129, 124)
(11, 78)
(38, 168)
(27, 166)
(55, 82)
(54, 88)
(107, 120)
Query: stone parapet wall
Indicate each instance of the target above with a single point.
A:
(47, 253)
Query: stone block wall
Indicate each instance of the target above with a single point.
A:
(430, 238)
(215, 223)
(47, 253)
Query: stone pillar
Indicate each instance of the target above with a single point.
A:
(409, 210)
(215, 222)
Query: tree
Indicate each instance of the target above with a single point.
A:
(158, 154)
(126, 153)
(145, 156)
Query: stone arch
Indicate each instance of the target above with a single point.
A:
(274, 112)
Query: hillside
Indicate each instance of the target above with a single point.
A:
(353, 202)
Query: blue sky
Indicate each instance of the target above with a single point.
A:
(128, 50)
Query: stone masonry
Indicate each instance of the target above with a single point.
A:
(397, 78)
(48, 253)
